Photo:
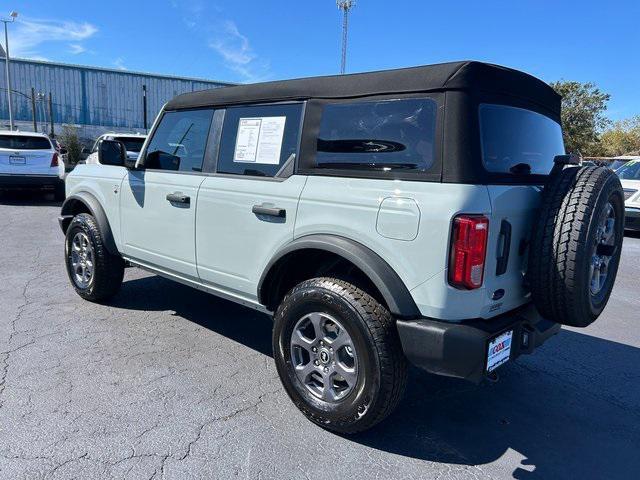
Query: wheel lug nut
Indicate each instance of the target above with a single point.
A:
(315, 349)
(326, 370)
(316, 362)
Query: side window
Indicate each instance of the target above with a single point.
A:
(179, 141)
(259, 140)
(381, 135)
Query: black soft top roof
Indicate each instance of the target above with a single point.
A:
(466, 75)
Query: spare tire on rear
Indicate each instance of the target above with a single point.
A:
(575, 244)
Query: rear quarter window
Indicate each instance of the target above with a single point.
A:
(381, 135)
(518, 141)
(23, 142)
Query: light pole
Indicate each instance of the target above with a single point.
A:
(12, 16)
(345, 6)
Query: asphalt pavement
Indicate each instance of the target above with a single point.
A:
(169, 382)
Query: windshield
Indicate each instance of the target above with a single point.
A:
(631, 171)
(518, 141)
(131, 144)
(23, 142)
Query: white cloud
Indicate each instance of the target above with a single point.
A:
(119, 63)
(28, 34)
(76, 48)
(235, 49)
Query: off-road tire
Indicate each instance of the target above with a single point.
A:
(563, 240)
(108, 269)
(383, 374)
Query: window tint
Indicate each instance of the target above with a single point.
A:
(379, 135)
(179, 141)
(259, 140)
(132, 144)
(518, 141)
(22, 142)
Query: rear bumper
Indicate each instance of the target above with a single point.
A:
(29, 181)
(632, 218)
(460, 349)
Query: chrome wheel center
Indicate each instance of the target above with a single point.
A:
(324, 357)
(82, 260)
(603, 250)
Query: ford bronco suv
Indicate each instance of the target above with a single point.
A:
(426, 215)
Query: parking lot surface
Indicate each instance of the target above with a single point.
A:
(169, 382)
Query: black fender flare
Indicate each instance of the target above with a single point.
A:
(95, 209)
(382, 275)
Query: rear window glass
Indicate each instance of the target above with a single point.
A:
(23, 142)
(131, 144)
(380, 135)
(518, 141)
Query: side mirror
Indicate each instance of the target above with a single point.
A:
(112, 152)
(63, 151)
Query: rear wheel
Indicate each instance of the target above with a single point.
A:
(576, 245)
(95, 274)
(338, 355)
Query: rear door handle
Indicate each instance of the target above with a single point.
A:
(179, 198)
(271, 211)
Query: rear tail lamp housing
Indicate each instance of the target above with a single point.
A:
(468, 251)
(54, 160)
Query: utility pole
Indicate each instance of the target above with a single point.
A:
(33, 109)
(345, 6)
(13, 16)
(144, 107)
(51, 114)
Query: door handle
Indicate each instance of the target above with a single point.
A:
(271, 211)
(179, 198)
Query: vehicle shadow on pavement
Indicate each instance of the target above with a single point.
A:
(229, 319)
(572, 410)
(28, 198)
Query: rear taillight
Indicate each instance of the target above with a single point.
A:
(468, 251)
(54, 160)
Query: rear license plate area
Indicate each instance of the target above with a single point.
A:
(499, 350)
(17, 160)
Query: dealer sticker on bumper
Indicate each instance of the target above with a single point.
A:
(499, 350)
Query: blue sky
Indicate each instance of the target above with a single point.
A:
(252, 40)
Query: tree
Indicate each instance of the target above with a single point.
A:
(622, 138)
(69, 139)
(583, 118)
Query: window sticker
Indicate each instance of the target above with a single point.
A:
(259, 140)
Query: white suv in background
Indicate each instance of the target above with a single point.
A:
(629, 175)
(133, 143)
(29, 160)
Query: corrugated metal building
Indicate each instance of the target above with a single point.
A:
(94, 99)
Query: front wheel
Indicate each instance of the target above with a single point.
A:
(338, 354)
(95, 274)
